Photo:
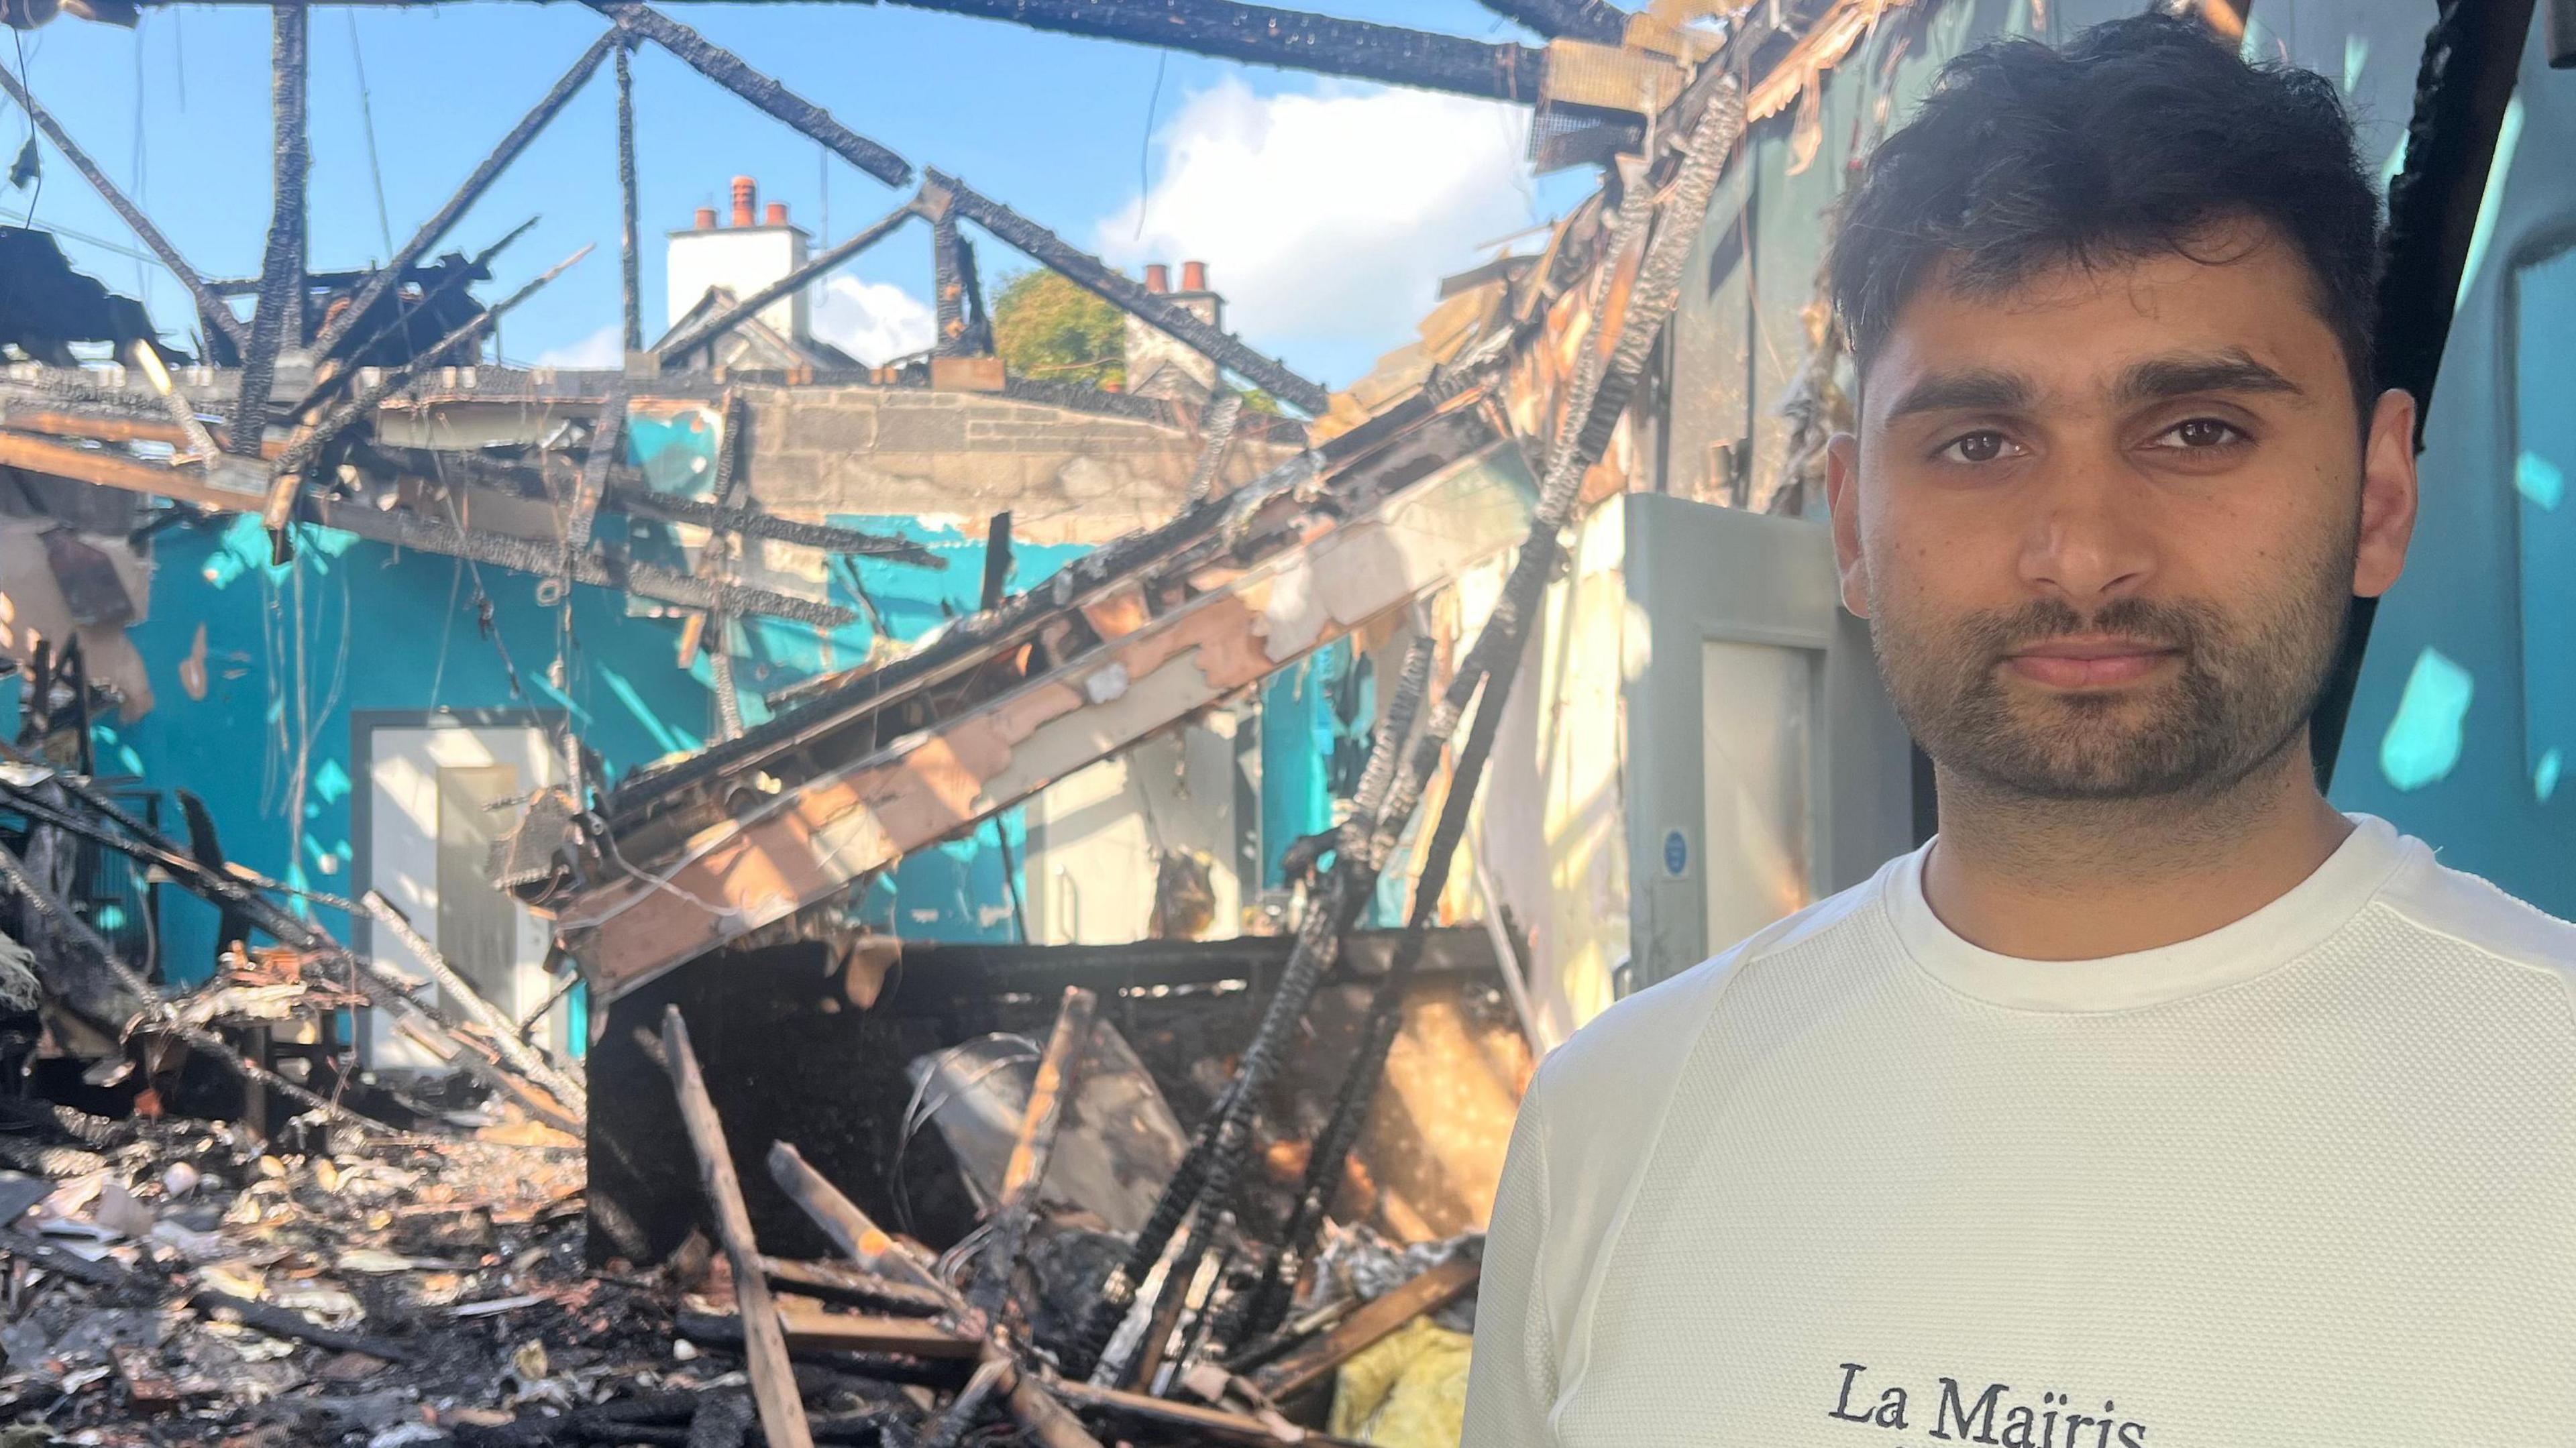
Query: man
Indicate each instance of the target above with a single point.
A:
(2154, 1104)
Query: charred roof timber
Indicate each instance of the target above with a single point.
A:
(1294, 39)
(1257, 34)
(1572, 19)
(209, 304)
(944, 193)
(729, 70)
(469, 193)
(280, 312)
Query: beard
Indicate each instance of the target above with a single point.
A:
(2244, 689)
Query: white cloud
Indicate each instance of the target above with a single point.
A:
(875, 322)
(1329, 216)
(603, 348)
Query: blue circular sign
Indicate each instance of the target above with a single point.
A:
(1676, 853)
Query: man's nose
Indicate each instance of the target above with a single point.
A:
(2087, 539)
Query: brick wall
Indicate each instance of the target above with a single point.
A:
(1066, 476)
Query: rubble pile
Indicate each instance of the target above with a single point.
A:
(179, 1281)
(174, 1281)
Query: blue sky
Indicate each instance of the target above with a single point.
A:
(1325, 208)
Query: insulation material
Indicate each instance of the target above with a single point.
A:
(1407, 1391)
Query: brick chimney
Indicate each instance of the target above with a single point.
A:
(742, 258)
(1159, 365)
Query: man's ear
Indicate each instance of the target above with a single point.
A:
(2388, 494)
(1842, 497)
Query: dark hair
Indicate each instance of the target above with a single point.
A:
(2130, 140)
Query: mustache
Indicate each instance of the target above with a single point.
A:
(2164, 624)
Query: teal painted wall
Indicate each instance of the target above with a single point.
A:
(2467, 707)
(293, 650)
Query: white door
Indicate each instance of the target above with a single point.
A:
(429, 838)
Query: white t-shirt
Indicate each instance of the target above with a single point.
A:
(2308, 1181)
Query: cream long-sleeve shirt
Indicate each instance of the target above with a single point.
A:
(2308, 1181)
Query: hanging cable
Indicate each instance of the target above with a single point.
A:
(1145, 145)
(367, 118)
(142, 273)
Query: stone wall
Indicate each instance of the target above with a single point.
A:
(1065, 476)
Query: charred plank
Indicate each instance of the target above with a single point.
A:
(947, 193)
(1294, 39)
(280, 311)
(730, 71)
(466, 195)
(1575, 19)
(209, 302)
(629, 260)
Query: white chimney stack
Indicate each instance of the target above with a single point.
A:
(1159, 365)
(741, 258)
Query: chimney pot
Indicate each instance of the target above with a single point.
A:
(1194, 276)
(776, 214)
(743, 194)
(1158, 277)
(706, 218)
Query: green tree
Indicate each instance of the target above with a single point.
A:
(1047, 328)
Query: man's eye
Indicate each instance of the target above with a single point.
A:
(2199, 432)
(1976, 447)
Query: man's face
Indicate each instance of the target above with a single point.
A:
(2106, 526)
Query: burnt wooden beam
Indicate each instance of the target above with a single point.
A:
(333, 377)
(673, 349)
(439, 224)
(629, 259)
(730, 71)
(1574, 19)
(599, 569)
(943, 192)
(838, 1282)
(751, 524)
(1294, 39)
(1059, 1078)
(607, 439)
(501, 1030)
(997, 561)
(851, 1229)
(957, 293)
(305, 448)
(869, 803)
(280, 311)
(222, 490)
(773, 1381)
(1216, 434)
(210, 302)
(1189, 1422)
(712, 556)
(627, 491)
(1046, 1422)
(1371, 1324)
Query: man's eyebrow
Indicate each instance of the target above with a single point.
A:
(2234, 370)
(1976, 389)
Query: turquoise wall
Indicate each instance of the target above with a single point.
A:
(291, 651)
